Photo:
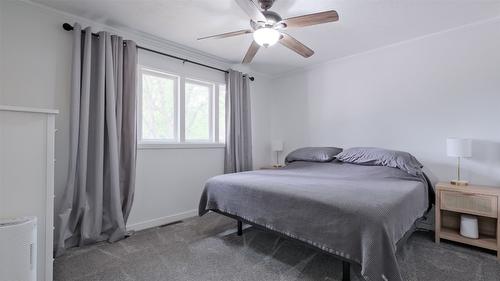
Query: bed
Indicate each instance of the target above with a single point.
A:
(355, 212)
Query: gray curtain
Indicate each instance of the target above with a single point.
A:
(100, 184)
(238, 153)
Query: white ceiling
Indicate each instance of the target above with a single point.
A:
(363, 24)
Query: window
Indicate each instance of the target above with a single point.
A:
(197, 111)
(176, 110)
(158, 107)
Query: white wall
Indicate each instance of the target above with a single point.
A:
(36, 67)
(260, 90)
(35, 72)
(409, 96)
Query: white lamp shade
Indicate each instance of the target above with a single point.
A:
(277, 146)
(456, 147)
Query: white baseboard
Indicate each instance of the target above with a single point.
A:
(161, 221)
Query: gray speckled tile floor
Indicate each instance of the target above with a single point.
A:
(207, 248)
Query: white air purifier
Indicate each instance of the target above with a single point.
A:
(18, 249)
(469, 226)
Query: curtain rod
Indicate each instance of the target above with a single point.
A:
(68, 27)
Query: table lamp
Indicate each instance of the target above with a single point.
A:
(277, 146)
(460, 148)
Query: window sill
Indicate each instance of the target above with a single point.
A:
(141, 146)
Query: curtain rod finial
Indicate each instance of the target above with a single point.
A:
(67, 26)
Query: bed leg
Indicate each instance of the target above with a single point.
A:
(346, 271)
(240, 228)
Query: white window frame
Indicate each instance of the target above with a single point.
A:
(179, 140)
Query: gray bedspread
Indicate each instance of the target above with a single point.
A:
(353, 211)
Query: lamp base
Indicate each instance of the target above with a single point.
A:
(459, 182)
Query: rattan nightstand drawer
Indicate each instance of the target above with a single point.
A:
(477, 204)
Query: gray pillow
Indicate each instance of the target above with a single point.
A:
(382, 157)
(313, 154)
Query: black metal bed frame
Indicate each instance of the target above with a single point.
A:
(346, 266)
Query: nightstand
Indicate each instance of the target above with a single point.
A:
(480, 201)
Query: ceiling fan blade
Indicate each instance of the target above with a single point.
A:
(251, 10)
(251, 52)
(312, 19)
(294, 45)
(227, 34)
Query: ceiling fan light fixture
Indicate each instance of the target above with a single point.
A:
(266, 36)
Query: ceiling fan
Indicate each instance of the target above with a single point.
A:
(268, 28)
